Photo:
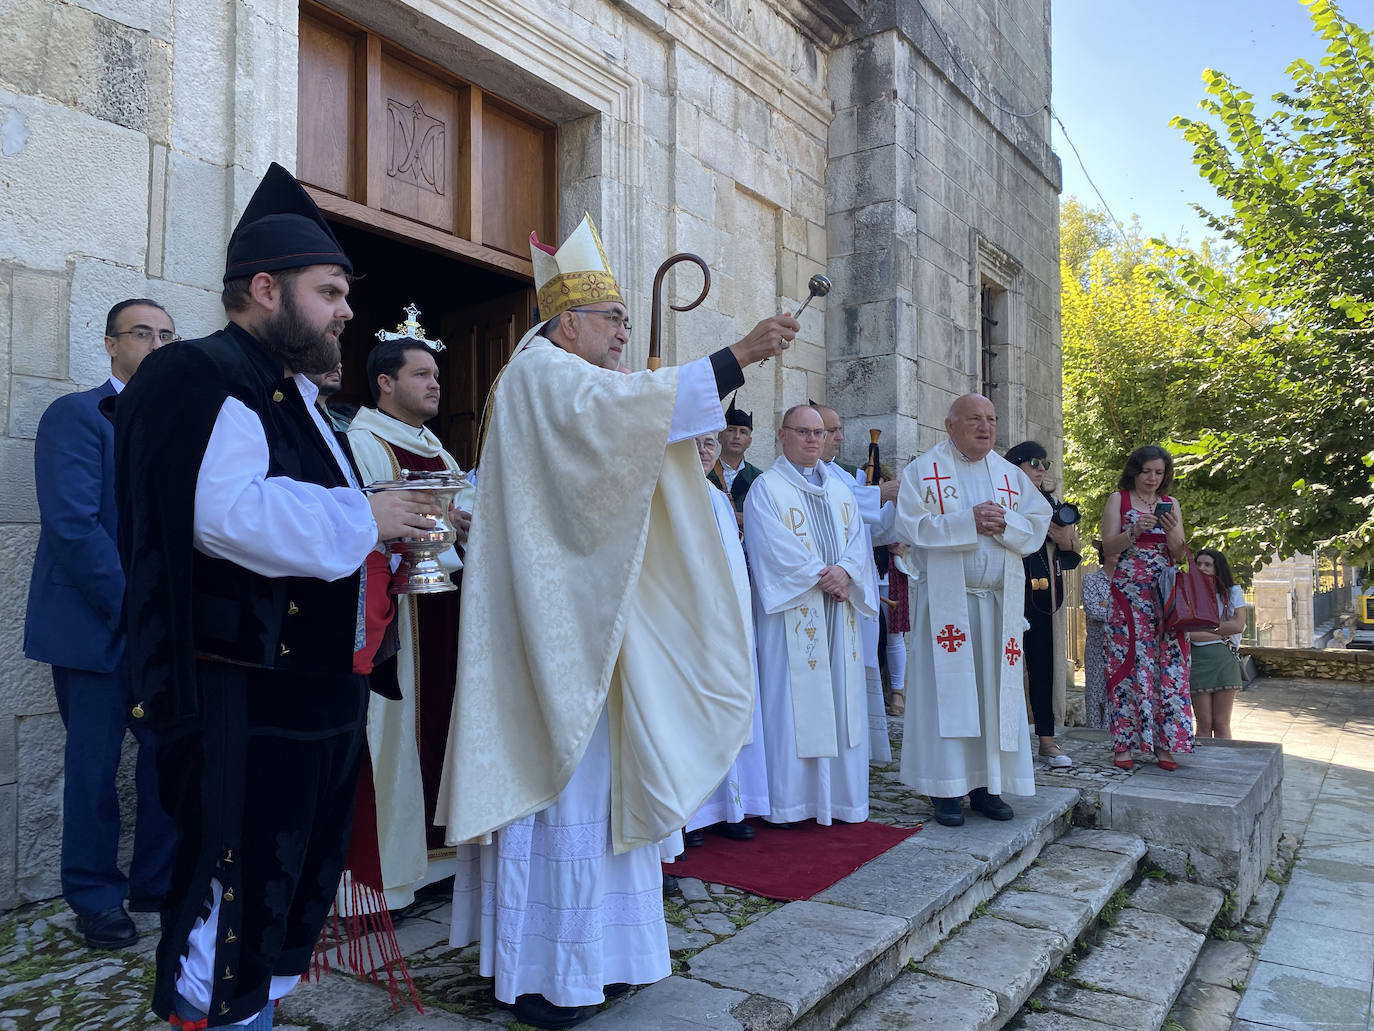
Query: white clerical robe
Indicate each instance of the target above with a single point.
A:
(817, 756)
(594, 549)
(744, 791)
(967, 729)
(879, 518)
(392, 737)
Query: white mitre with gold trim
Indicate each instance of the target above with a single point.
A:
(575, 274)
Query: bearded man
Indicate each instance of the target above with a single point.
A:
(242, 533)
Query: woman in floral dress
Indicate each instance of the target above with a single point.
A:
(1148, 706)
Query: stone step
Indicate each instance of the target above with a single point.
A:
(1128, 975)
(808, 965)
(981, 976)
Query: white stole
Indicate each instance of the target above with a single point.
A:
(950, 632)
(806, 632)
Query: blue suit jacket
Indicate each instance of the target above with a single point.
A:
(76, 596)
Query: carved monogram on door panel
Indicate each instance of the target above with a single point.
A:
(416, 145)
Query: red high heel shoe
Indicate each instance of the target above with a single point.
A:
(1167, 765)
(1123, 761)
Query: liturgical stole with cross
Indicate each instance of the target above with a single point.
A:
(951, 635)
(806, 632)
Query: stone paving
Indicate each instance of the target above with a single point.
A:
(1303, 979)
(1316, 961)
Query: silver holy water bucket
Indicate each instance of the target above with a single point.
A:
(419, 571)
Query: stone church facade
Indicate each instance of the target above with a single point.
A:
(899, 146)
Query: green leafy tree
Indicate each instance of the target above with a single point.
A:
(1285, 331)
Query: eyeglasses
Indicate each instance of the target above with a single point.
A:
(806, 433)
(145, 334)
(1039, 463)
(618, 320)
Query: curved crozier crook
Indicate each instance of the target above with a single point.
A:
(656, 317)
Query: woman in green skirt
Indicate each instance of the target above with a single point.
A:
(1215, 675)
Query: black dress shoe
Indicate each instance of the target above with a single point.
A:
(783, 825)
(990, 806)
(693, 839)
(145, 903)
(949, 812)
(736, 831)
(615, 991)
(109, 929)
(537, 1011)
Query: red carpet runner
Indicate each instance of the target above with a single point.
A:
(787, 864)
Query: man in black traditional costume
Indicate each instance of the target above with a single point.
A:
(242, 532)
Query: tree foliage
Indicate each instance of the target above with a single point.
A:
(1285, 329)
(1252, 361)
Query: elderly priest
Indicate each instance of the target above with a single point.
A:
(970, 516)
(589, 723)
(813, 584)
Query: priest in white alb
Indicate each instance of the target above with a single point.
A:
(588, 722)
(744, 790)
(813, 584)
(878, 510)
(970, 516)
(405, 736)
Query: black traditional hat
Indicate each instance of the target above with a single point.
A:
(281, 229)
(734, 417)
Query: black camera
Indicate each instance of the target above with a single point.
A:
(1065, 513)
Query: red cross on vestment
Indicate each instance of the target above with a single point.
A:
(951, 638)
(1008, 491)
(1013, 652)
(939, 494)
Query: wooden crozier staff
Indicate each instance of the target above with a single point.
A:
(656, 318)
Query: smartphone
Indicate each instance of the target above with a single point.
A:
(1162, 508)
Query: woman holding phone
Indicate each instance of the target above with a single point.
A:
(1148, 704)
(1214, 670)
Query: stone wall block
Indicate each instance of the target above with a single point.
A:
(25, 685)
(9, 844)
(659, 124)
(9, 750)
(38, 323)
(152, 16)
(768, 177)
(203, 81)
(264, 117)
(722, 146)
(857, 180)
(198, 221)
(159, 87)
(691, 77)
(29, 399)
(861, 385)
(645, 55)
(100, 198)
(843, 134)
(38, 859)
(18, 501)
(5, 339)
(96, 65)
(694, 186)
(24, 32)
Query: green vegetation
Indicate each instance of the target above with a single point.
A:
(1251, 359)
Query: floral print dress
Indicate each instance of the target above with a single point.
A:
(1148, 705)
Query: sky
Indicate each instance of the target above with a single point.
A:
(1123, 68)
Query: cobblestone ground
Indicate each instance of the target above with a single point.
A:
(49, 980)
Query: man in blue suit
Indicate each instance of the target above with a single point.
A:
(75, 623)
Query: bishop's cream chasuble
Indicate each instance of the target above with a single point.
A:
(595, 554)
(935, 512)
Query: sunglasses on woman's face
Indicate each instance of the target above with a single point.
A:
(1039, 463)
